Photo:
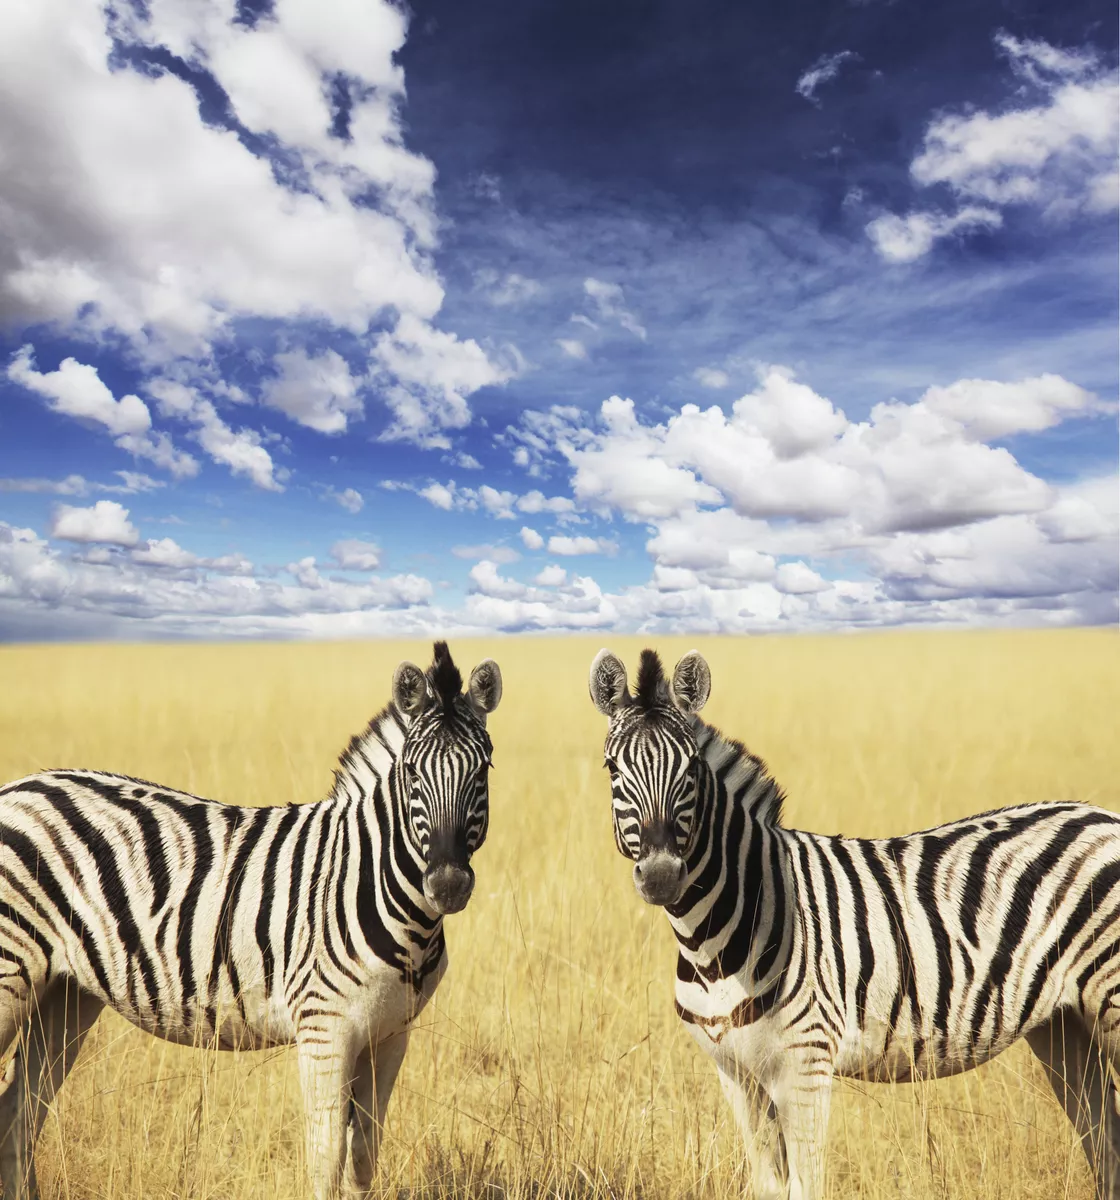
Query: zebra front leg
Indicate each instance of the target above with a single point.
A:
(326, 1066)
(803, 1104)
(762, 1138)
(375, 1075)
(43, 1058)
(1077, 1071)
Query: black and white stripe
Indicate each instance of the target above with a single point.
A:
(804, 957)
(203, 923)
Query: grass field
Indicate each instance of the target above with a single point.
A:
(550, 1061)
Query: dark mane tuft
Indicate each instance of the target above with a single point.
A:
(651, 681)
(444, 675)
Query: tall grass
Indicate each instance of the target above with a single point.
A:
(550, 1062)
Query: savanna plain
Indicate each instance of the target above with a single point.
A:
(550, 1062)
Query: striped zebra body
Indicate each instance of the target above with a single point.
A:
(804, 957)
(319, 925)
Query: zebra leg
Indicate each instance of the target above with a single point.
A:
(1078, 1073)
(375, 1075)
(803, 1106)
(762, 1138)
(48, 1049)
(325, 1070)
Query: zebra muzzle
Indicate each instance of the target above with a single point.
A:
(659, 877)
(448, 887)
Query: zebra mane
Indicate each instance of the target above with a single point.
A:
(743, 774)
(652, 688)
(444, 676)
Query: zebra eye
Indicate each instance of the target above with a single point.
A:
(610, 764)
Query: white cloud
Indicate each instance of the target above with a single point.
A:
(131, 216)
(317, 391)
(538, 502)
(165, 553)
(76, 390)
(497, 554)
(609, 302)
(572, 347)
(798, 579)
(77, 485)
(439, 495)
(507, 291)
(349, 498)
(826, 68)
(551, 576)
(486, 579)
(912, 500)
(240, 450)
(44, 594)
(105, 522)
(427, 376)
(136, 481)
(571, 546)
(72, 485)
(1052, 154)
(785, 452)
(987, 409)
(531, 538)
(1057, 154)
(352, 554)
(904, 239)
(711, 377)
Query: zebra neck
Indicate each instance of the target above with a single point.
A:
(737, 914)
(394, 917)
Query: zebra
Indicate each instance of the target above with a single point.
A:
(804, 957)
(318, 925)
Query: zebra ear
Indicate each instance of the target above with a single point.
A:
(410, 689)
(607, 683)
(485, 687)
(692, 683)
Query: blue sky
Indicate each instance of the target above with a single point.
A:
(318, 318)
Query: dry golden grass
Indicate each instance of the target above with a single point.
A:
(550, 1061)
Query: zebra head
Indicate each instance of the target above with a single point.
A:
(444, 763)
(654, 761)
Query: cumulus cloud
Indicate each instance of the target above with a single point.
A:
(132, 216)
(352, 554)
(1056, 151)
(531, 538)
(161, 590)
(105, 522)
(496, 502)
(573, 546)
(77, 390)
(904, 239)
(551, 576)
(316, 390)
(826, 68)
(711, 377)
(167, 554)
(786, 452)
(912, 500)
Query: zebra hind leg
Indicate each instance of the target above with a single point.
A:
(1077, 1067)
